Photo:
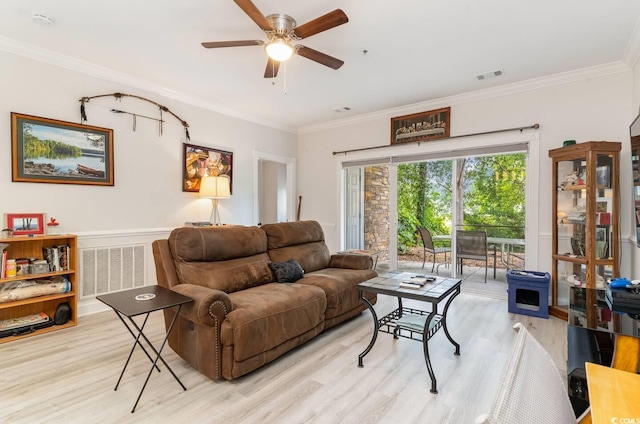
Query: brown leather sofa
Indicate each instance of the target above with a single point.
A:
(241, 318)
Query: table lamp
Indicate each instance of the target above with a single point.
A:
(215, 188)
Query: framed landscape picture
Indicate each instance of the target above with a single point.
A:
(422, 126)
(200, 161)
(50, 151)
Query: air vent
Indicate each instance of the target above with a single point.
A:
(491, 74)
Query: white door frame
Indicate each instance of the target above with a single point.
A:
(291, 186)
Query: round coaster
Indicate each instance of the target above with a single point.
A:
(145, 296)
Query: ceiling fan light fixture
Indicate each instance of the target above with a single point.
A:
(278, 49)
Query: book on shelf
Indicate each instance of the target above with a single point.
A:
(63, 251)
(52, 256)
(3, 264)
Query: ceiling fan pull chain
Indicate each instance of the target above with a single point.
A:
(285, 79)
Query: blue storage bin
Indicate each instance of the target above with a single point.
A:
(529, 293)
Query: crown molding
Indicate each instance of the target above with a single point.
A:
(502, 90)
(36, 53)
(632, 51)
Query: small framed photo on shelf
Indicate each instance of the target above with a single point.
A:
(23, 224)
(603, 177)
(602, 242)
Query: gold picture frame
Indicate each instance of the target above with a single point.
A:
(46, 150)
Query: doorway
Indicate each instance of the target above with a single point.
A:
(273, 188)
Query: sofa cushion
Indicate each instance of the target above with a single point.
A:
(221, 258)
(227, 276)
(340, 287)
(266, 316)
(286, 234)
(287, 272)
(209, 244)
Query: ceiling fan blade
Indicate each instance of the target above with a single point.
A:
(319, 57)
(238, 43)
(272, 68)
(323, 23)
(254, 13)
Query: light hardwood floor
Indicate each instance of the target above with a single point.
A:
(69, 376)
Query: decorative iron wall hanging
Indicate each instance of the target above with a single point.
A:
(119, 96)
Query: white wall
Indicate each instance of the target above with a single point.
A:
(591, 109)
(148, 167)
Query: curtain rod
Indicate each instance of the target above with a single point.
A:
(534, 126)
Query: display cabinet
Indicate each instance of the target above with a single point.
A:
(585, 248)
(635, 164)
(34, 247)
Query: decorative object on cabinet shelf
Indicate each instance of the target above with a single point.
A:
(561, 217)
(570, 179)
(53, 227)
(578, 244)
(6, 233)
(23, 224)
(84, 154)
(568, 143)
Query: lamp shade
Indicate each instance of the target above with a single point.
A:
(215, 187)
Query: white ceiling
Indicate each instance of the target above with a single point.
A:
(418, 50)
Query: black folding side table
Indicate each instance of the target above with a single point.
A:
(140, 301)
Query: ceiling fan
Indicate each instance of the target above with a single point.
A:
(281, 30)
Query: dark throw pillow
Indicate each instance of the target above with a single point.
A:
(286, 272)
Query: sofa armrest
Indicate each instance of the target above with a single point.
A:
(351, 261)
(209, 306)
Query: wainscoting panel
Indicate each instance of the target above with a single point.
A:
(105, 270)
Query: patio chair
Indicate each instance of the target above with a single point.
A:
(472, 245)
(427, 243)
(531, 389)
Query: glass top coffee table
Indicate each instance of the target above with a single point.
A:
(415, 324)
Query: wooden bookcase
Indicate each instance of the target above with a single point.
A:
(29, 247)
(586, 217)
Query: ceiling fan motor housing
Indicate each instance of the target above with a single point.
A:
(282, 24)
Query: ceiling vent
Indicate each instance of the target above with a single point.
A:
(491, 74)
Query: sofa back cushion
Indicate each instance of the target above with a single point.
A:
(221, 258)
(299, 240)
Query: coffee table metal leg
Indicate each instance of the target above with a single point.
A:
(444, 322)
(425, 347)
(376, 327)
(158, 356)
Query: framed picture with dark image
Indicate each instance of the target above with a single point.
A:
(46, 150)
(422, 126)
(201, 161)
